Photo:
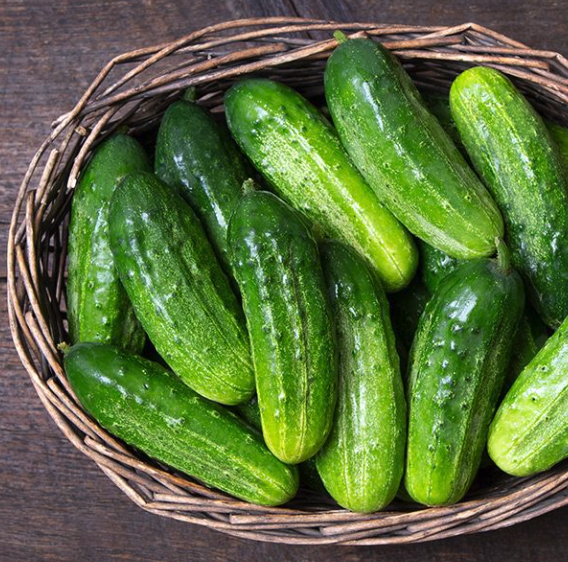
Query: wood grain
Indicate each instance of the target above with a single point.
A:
(54, 503)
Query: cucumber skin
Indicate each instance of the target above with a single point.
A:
(148, 407)
(98, 307)
(178, 289)
(559, 135)
(198, 158)
(309, 477)
(276, 265)
(362, 462)
(298, 152)
(529, 433)
(512, 151)
(457, 368)
(531, 333)
(405, 155)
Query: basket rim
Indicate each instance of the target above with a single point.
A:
(175, 496)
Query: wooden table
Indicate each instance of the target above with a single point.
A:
(54, 503)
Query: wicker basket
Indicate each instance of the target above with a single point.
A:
(134, 89)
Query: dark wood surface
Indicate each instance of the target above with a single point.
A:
(54, 503)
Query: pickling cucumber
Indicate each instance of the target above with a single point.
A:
(295, 148)
(277, 267)
(404, 153)
(98, 308)
(178, 289)
(457, 367)
(512, 151)
(530, 431)
(196, 156)
(362, 462)
(149, 408)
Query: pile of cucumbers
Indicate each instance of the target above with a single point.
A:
(228, 305)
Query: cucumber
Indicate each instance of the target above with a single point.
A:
(298, 152)
(199, 158)
(98, 309)
(530, 431)
(362, 461)
(407, 306)
(149, 408)
(457, 368)
(531, 333)
(512, 151)
(276, 264)
(178, 289)
(309, 477)
(405, 155)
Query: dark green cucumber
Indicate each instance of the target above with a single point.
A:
(199, 159)
(512, 151)
(276, 264)
(362, 462)
(531, 335)
(309, 477)
(457, 367)
(98, 308)
(298, 152)
(404, 153)
(407, 306)
(178, 289)
(530, 431)
(148, 407)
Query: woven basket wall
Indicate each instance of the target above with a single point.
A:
(134, 89)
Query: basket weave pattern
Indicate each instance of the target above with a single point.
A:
(134, 89)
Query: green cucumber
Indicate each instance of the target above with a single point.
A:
(404, 153)
(178, 289)
(407, 306)
(457, 367)
(531, 333)
(98, 309)
(439, 105)
(309, 477)
(198, 158)
(362, 461)
(298, 152)
(149, 408)
(276, 264)
(530, 431)
(512, 151)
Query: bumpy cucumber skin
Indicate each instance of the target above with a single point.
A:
(404, 153)
(276, 264)
(199, 158)
(530, 431)
(511, 149)
(300, 155)
(457, 368)
(439, 105)
(151, 409)
(309, 477)
(98, 307)
(362, 462)
(178, 289)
